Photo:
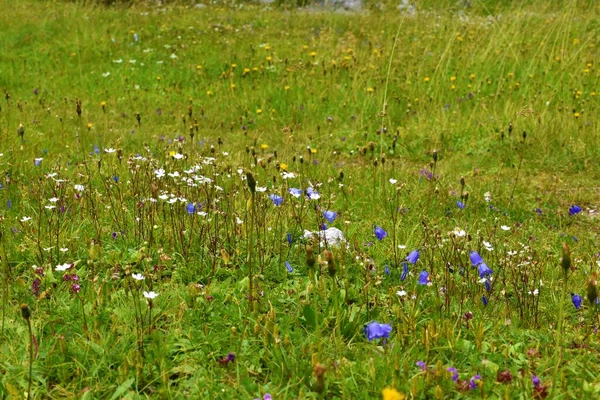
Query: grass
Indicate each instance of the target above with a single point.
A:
(130, 141)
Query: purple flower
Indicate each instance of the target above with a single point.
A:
(535, 380)
(413, 257)
(574, 209)
(191, 208)
(312, 194)
(475, 258)
(460, 204)
(277, 200)
(421, 365)
(330, 216)
(379, 232)
(35, 286)
(37, 162)
(488, 285)
(9, 204)
(484, 270)
(539, 211)
(375, 330)
(386, 269)
(75, 288)
(484, 300)
(473, 381)
(404, 271)
(289, 238)
(454, 372)
(424, 278)
(576, 299)
(288, 266)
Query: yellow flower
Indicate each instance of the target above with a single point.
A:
(576, 115)
(392, 394)
(269, 58)
(313, 53)
(452, 78)
(259, 111)
(426, 79)
(267, 47)
(103, 104)
(370, 90)
(233, 85)
(314, 151)
(264, 146)
(286, 88)
(209, 93)
(283, 167)
(172, 153)
(89, 125)
(198, 66)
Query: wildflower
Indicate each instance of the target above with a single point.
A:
(330, 216)
(277, 200)
(375, 330)
(138, 277)
(473, 381)
(401, 293)
(63, 267)
(574, 209)
(386, 270)
(190, 208)
(504, 376)
(413, 257)
(37, 162)
(404, 271)
(295, 192)
(535, 380)
(424, 278)
(505, 228)
(226, 360)
(484, 270)
(421, 365)
(379, 232)
(289, 238)
(576, 299)
(392, 394)
(288, 266)
(460, 204)
(150, 295)
(454, 373)
(484, 300)
(475, 258)
(312, 194)
(75, 288)
(566, 258)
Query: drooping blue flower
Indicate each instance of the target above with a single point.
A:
(9, 204)
(404, 271)
(475, 258)
(539, 211)
(421, 365)
(190, 208)
(379, 232)
(323, 227)
(289, 238)
(330, 216)
(276, 199)
(386, 269)
(473, 381)
(413, 257)
(454, 373)
(460, 204)
(423, 278)
(484, 300)
(488, 285)
(116, 179)
(484, 270)
(295, 192)
(312, 194)
(288, 266)
(576, 299)
(574, 209)
(375, 330)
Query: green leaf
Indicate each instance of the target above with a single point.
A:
(121, 389)
(310, 316)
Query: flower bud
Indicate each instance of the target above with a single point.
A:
(251, 182)
(566, 258)
(25, 311)
(592, 289)
(310, 256)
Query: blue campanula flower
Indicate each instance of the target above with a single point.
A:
(289, 238)
(484, 270)
(473, 381)
(454, 373)
(460, 204)
(375, 330)
(190, 208)
(386, 269)
(330, 216)
(276, 199)
(288, 266)
(413, 257)
(379, 232)
(576, 299)
(574, 209)
(475, 258)
(404, 271)
(424, 278)
(312, 194)
(484, 300)
(421, 365)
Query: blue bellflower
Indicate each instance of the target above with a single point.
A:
(574, 209)
(288, 266)
(576, 299)
(404, 271)
(375, 330)
(423, 278)
(484, 270)
(276, 199)
(330, 216)
(191, 208)
(413, 257)
(379, 232)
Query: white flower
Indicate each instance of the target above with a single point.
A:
(109, 150)
(333, 236)
(459, 232)
(49, 207)
(53, 199)
(487, 196)
(173, 56)
(288, 175)
(25, 219)
(159, 173)
(488, 246)
(119, 61)
(505, 228)
(150, 295)
(63, 249)
(63, 267)
(79, 188)
(401, 293)
(511, 253)
(138, 277)
(106, 74)
(535, 292)
(178, 156)
(261, 189)
(401, 246)
(238, 220)
(393, 181)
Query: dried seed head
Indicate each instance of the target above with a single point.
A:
(25, 311)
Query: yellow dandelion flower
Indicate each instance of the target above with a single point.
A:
(452, 78)
(370, 90)
(313, 151)
(453, 87)
(103, 104)
(283, 166)
(233, 86)
(347, 58)
(392, 394)
(286, 88)
(576, 41)
(158, 78)
(576, 115)
(255, 69)
(426, 79)
(198, 66)
(267, 47)
(264, 146)
(269, 58)
(209, 93)
(89, 125)
(172, 153)
(472, 76)
(233, 66)
(313, 53)
(304, 47)
(259, 111)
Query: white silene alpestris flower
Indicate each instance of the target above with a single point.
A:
(138, 277)
(150, 295)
